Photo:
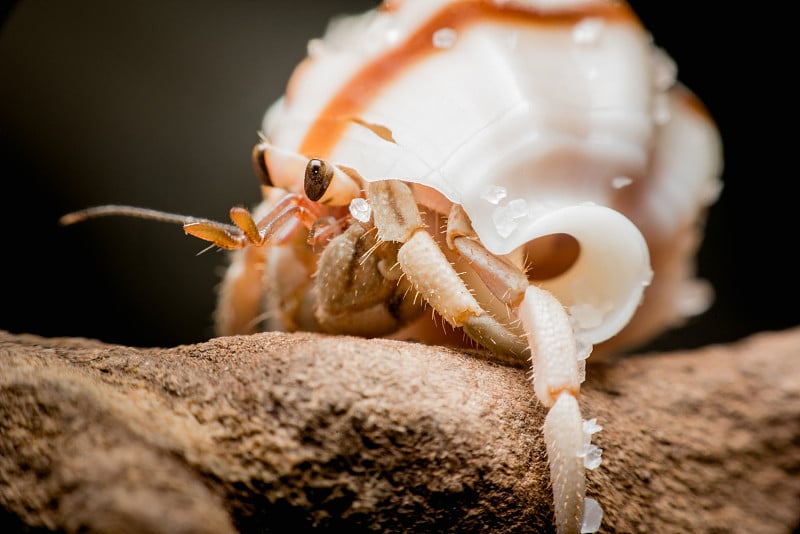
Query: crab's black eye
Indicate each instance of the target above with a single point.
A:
(318, 178)
(260, 164)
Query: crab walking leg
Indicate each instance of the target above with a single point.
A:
(563, 435)
(550, 337)
(556, 382)
(556, 376)
(290, 210)
(397, 218)
(505, 281)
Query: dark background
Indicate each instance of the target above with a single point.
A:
(157, 104)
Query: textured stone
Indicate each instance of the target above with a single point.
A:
(257, 433)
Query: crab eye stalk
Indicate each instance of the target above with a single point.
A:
(319, 175)
(259, 162)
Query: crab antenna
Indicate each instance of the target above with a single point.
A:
(126, 211)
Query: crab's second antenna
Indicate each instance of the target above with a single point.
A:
(125, 211)
(292, 210)
(220, 234)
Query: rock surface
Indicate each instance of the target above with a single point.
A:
(275, 431)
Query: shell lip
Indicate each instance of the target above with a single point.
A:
(604, 287)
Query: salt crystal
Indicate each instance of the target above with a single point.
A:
(586, 316)
(661, 108)
(588, 30)
(380, 31)
(360, 209)
(584, 348)
(315, 48)
(592, 456)
(694, 297)
(648, 279)
(592, 516)
(494, 194)
(444, 38)
(503, 222)
(506, 218)
(590, 427)
(392, 36)
(621, 181)
(665, 69)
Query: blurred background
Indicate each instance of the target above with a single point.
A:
(157, 104)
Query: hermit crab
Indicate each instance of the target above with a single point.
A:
(529, 172)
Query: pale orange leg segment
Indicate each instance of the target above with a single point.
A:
(276, 226)
(555, 367)
(397, 218)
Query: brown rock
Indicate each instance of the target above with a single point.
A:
(257, 433)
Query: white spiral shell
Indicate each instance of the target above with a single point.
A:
(539, 117)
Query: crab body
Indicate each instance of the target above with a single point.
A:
(530, 170)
